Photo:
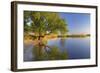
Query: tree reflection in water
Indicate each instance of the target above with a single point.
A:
(44, 52)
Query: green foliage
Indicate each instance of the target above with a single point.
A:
(43, 22)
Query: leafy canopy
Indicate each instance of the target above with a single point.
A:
(43, 23)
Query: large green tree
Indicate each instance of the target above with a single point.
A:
(43, 23)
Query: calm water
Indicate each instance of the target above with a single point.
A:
(77, 48)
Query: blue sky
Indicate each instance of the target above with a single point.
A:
(78, 23)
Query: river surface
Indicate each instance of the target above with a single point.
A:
(77, 48)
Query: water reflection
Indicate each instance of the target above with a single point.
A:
(48, 53)
(60, 48)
